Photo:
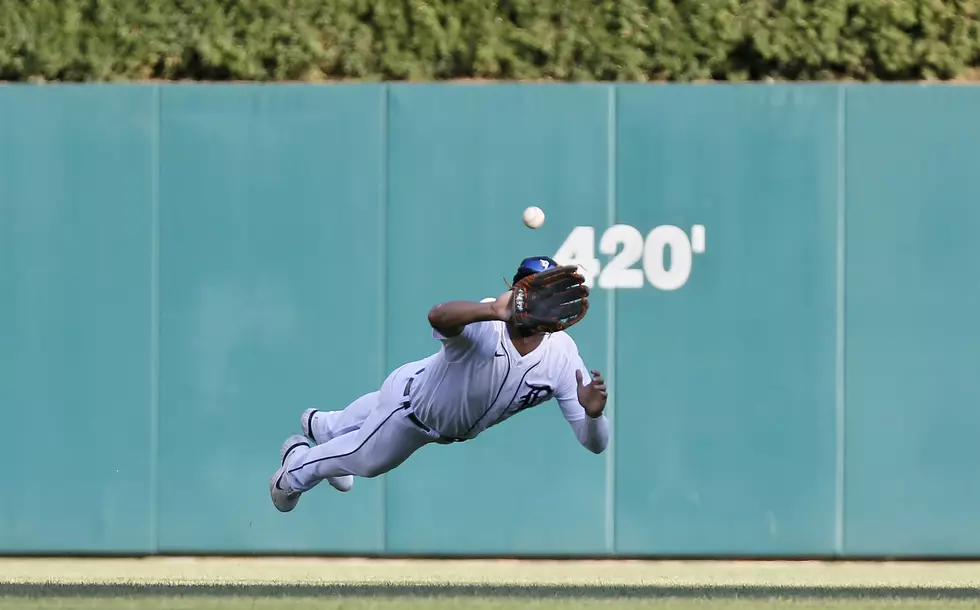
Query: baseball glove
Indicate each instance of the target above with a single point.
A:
(549, 301)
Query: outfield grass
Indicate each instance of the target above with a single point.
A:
(461, 603)
(298, 584)
(310, 603)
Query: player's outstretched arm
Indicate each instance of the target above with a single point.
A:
(451, 317)
(592, 432)
(582, 397)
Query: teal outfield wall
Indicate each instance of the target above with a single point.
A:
(785, 304)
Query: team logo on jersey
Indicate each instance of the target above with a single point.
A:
(535, 395)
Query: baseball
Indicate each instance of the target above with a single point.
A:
(533, 217)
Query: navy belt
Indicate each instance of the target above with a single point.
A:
(412, 417)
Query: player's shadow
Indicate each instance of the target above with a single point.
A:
(35, 590)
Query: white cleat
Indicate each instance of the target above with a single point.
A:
(283, 497)
(342, 483)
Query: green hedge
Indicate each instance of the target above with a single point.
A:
(625, 40)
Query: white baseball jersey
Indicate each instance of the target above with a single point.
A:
(475, 381)
(479, 379)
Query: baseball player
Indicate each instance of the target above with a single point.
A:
(497, 358)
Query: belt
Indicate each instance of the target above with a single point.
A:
(412, 417)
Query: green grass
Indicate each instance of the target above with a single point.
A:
(260, 584)
(460, 603)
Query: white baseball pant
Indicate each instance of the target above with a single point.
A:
(379, 432)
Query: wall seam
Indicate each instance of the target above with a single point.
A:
(154, 443)
(610, 372)
(840, 406)
(383, 286)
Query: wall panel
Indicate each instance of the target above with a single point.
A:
(913, 335)
(76, 319)
(269, 198)
(726, 383)
(464, 162)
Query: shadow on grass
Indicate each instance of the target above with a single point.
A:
(436, 590)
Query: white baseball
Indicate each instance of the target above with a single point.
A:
(533, 217)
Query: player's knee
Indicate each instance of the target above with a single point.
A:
(373, 465)
(372, 469)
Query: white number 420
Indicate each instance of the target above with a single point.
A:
(579, 249)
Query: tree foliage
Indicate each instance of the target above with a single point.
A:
(566, 40)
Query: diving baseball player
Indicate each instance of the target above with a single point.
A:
(497, 359)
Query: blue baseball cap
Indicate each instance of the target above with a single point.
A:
(532, 265)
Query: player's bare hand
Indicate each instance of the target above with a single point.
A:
(501, 307)
(593, 396)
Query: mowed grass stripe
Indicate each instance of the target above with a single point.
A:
(312, 571)
(456, 603)
(433, 591)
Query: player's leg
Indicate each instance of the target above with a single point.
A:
(386, 439)
(321, 426)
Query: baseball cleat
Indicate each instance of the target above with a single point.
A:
(283, 497)
(342, 483)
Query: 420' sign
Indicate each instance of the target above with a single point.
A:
(627, 247)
